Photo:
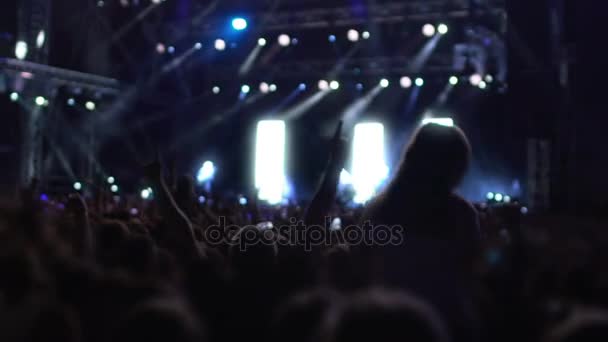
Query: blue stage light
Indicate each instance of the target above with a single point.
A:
(239, 24)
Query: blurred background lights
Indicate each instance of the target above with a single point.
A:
(114, 188)
(77, 186)
(353, 35)
(206, 172)
(284, 40)
(264, 87)
(334, 85)
(262, 42)
(442, 28)
(405, 82)
(475, 79)
(239, 24)
(453, 80)
(220, 45)
(323, 85)
(419, 82)
(428, 30)
(21, 50)
(384, 83)
(111, 180)
(14, 96)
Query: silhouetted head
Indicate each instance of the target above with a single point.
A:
(159, 320)
(437, 157)
(381, 315)
(299, 318)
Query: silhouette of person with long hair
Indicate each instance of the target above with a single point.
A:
(441, 237)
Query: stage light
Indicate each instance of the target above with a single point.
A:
(490, 196)
(353, 35)
(216, 90)
(242, 200)
(284, 40)
(331, 38)
(475, 79)
(384, 83)
(345, 178)
(506, 199)
(365, 35)
(145, 194)
(201, 199)
(262, 42)
(270, 160)
(220, 45)
(272, 88)
(77, 186)
(359, 86)
(302, 87)
(39, 100)
(14, 96)
(114, 188)
(171, 49)
(90, 105)
(405, 82)
(524, 210)
(264, 88)
(294, 41)
(40, 39)
(239, 24)
(498, 197)
(369, 166)
(206, 172)
(447, 122)
(428, 30)
(245, 89)
(157, 1)
(323, 85)
(125, 3)
(419, 82)
(111, 180)
(453, 80)
(198, 46)
(334, 85)
(489, 78)
(442, 28)
(160, 48)
(100, 3)
(21, 50)
(71, 102)
(482, 85)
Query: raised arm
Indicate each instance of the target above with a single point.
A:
(173, 216)
(326, 193)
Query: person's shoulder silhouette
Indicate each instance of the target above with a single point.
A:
(421, 195)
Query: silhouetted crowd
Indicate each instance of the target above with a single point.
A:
(177, 268)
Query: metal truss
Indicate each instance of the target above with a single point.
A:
(54, 77)
(379, 13)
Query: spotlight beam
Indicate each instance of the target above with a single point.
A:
(301, 108)
(128, 26)
(177, 61)
(424, 54)
(355, 109)
(250, 61)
